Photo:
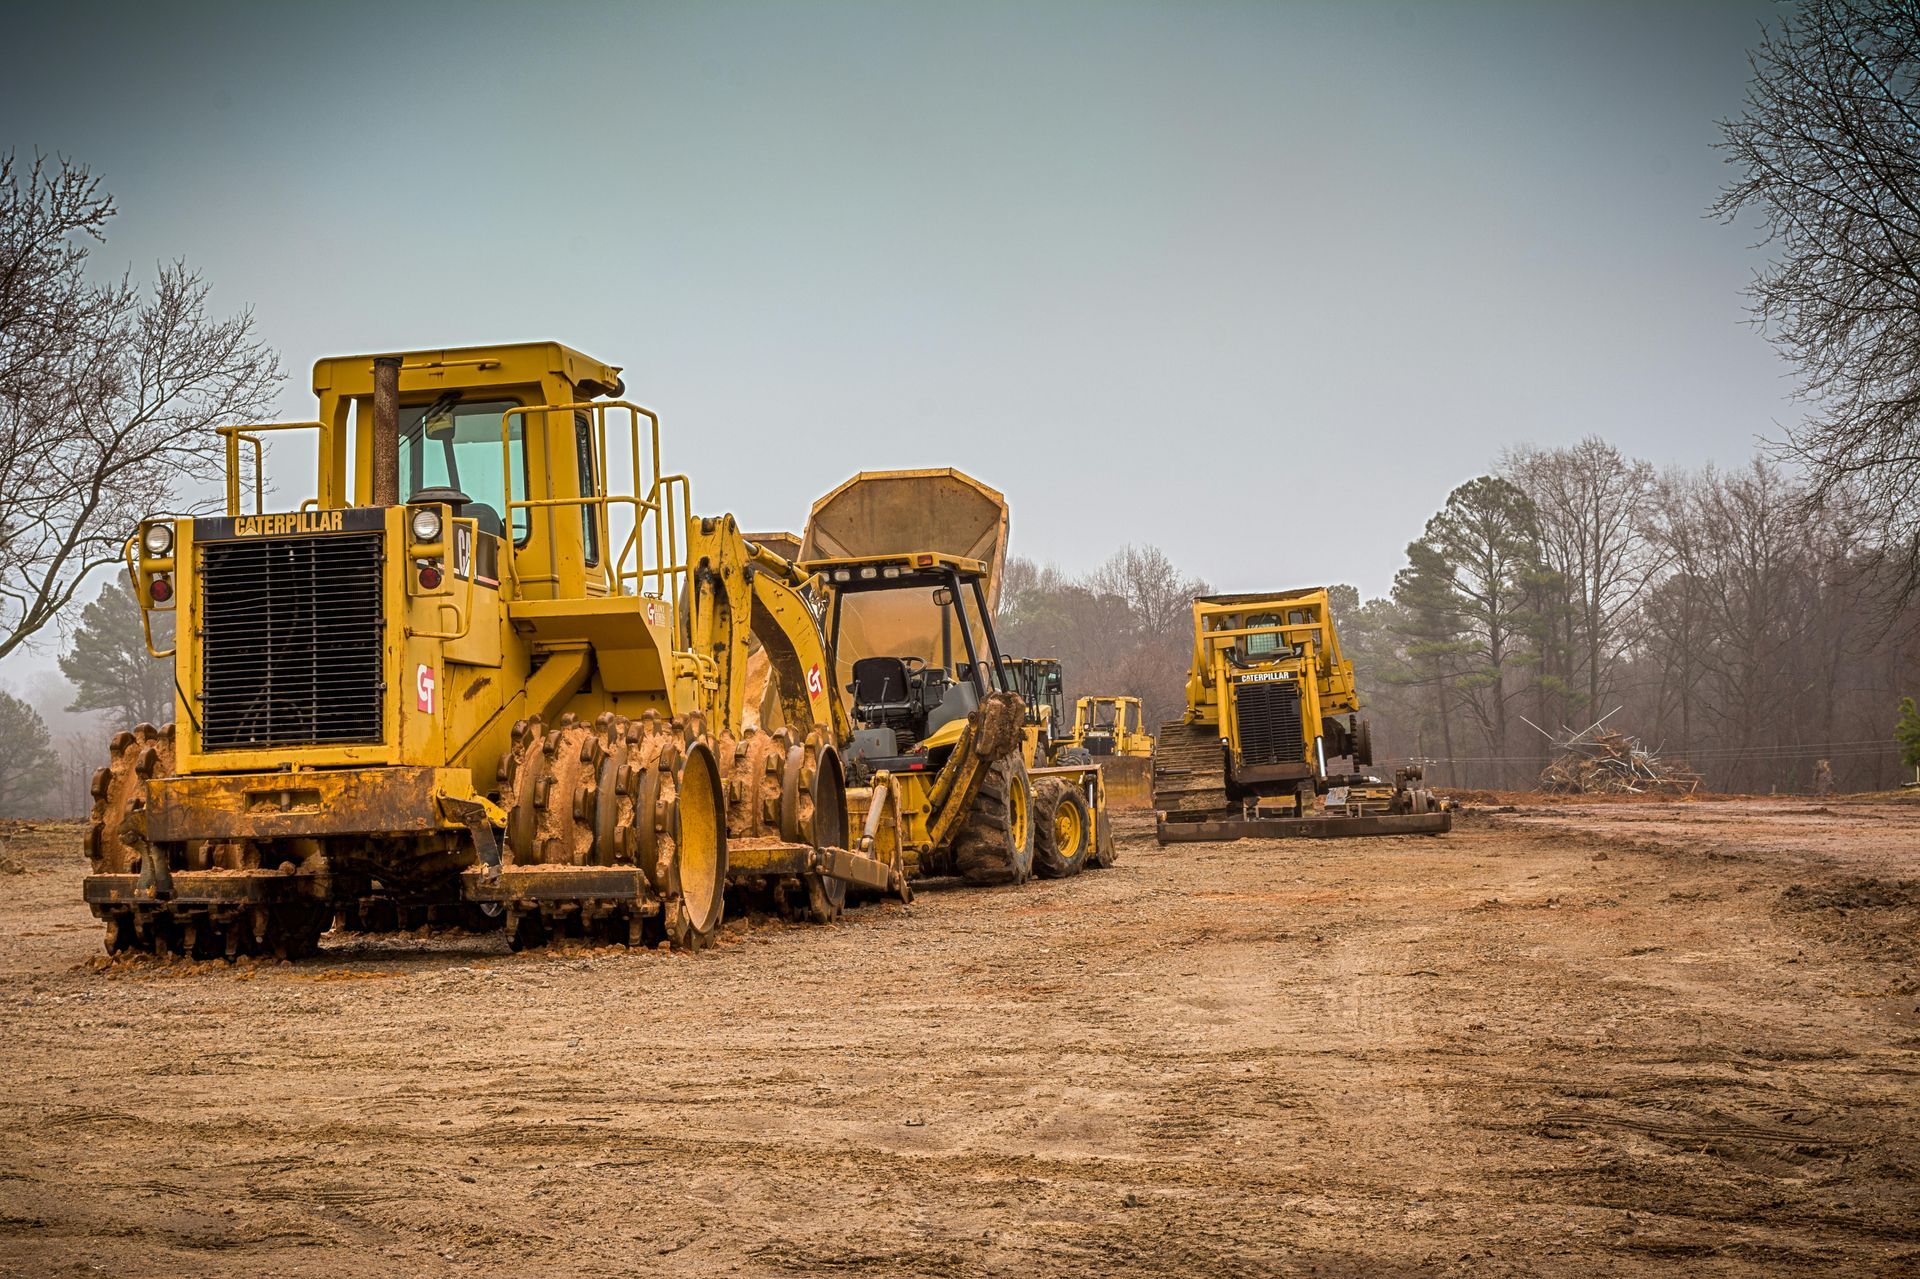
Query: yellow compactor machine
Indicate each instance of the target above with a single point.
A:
(494, 673)
(1271, 713)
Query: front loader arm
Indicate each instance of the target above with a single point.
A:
(742, 592)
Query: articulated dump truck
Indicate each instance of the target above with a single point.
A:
(1271, 709)
(494, 673)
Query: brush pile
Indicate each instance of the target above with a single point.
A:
(1602, 762)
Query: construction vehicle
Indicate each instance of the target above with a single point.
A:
(903, 553)
(1110, 731)
(1270, 701)
(1038, 681)
(945, 723)
(492, 671)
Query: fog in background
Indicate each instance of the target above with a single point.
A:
(1257, 284)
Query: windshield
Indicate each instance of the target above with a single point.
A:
(453, 445)
(1262, 645)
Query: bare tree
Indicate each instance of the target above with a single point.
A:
(1828, 155)
(1595, 510)
(106, 392)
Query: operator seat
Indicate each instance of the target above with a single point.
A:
(883, 694)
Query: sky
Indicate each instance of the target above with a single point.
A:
(1254, 283)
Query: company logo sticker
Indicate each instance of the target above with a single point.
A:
(423, 686)
(816, 685)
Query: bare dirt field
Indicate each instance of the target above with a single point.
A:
(1577, 1040)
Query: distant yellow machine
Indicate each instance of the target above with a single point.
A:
(1110, 732)
(1270, 701)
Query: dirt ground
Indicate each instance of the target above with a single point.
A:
(1600, 1040)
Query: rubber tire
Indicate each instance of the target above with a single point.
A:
(1363, 745)
(1049, 861)
(987, 850)
(1076, 756)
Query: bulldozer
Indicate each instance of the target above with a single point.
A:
(1110, 731)
(1271, 703)
(493, 673)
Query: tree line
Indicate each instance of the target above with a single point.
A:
(1736, 620)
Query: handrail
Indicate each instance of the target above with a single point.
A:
(667, 499)
(231, 436)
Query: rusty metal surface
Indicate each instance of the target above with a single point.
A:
(206, 887)
(623, 884)
(1129, 780)
(350, 801)
(386, 431)
(1303, 828)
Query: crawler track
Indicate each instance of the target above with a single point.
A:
(1189, 772)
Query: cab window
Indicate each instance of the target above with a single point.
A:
(589, 521)
(447, 444)
(1263, 645)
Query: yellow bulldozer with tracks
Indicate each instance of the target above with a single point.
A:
(1271, 711)
(494, 673)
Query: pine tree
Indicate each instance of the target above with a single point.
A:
(110, 667)
(1907, 733)
(28, 766)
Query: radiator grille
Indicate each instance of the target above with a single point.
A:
(290, 641)
(1269, 723)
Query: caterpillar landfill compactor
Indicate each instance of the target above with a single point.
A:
(492, 672)
(1270, 703)
(911, 562)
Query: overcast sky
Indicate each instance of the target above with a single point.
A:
(1255, 283)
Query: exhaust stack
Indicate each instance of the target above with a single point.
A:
(386, 430)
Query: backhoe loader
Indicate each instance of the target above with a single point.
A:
(1270, 701)
(493, 670)
(932, 720)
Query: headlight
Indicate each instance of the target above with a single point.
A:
(158, 540)
(426, 525)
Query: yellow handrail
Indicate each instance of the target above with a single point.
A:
(667, 497)
(231, 436)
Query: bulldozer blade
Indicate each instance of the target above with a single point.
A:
(1302, 828)
(1129, 780)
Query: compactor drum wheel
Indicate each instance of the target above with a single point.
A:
(117, 844)
(995, 843)
(813, 810)
(695, 869)
(1063, 829)
(640, 793)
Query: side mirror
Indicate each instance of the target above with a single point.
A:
(942, 597)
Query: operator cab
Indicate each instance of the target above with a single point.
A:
(937, 657)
